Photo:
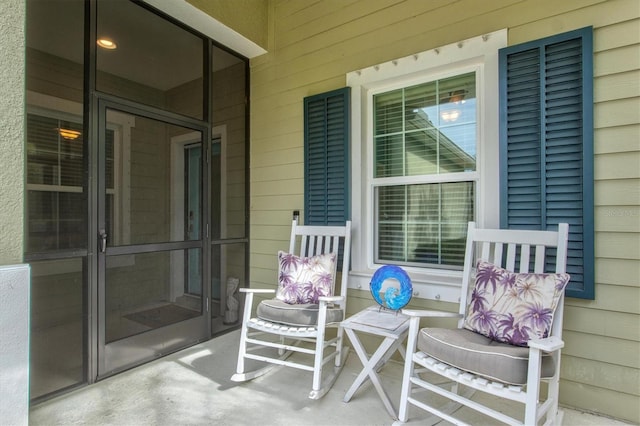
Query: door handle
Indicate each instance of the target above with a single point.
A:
(103, 240)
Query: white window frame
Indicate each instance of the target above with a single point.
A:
(178, 144)
(478, 54)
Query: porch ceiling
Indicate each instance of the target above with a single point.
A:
(131, 31)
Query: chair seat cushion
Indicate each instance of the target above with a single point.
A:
(303, 314)
(475, 353)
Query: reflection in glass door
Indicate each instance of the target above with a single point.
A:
(151, 242)
(56, 248)
(193, 182)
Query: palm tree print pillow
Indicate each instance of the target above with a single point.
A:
(304, 279)
(513, 308)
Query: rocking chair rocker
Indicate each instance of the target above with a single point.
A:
(296, 320)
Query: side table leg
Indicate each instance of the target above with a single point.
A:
(368, 370)
(363, 359)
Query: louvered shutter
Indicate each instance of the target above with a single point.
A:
(326, 158)
(546, 144)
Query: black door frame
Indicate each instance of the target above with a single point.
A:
(122, 354)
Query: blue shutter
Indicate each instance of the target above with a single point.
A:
(546, 144)
(326, 158)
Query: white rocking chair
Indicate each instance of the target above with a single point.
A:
(300, 328)
(466, 361)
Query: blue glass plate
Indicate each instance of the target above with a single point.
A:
(392, 298)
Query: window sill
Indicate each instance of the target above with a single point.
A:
(432, 284)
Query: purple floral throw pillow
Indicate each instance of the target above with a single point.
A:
(513, 308)
(304, 279)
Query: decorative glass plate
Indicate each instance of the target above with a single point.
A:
(394, 298)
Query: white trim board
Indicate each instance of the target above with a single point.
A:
(207, 25)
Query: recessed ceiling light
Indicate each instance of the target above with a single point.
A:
(106, 43)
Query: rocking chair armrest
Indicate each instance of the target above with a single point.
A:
(548, 344)
(257, 290)
(423, 313)
(330, 299)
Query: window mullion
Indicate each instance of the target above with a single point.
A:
(404, 133)
(438, 127)
(439, 246)
(425, 179)
(405, 254)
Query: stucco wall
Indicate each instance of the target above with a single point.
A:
(314, 44)
(14, 350)
(12, 17)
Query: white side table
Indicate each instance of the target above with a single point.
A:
(393, 326)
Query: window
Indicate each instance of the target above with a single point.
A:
(56, 202)
(424, 173)
(424, 161)
(56, 197)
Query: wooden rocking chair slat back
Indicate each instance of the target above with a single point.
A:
(518, 251)
(295, 325)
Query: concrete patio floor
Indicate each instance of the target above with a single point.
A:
(193, 387)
